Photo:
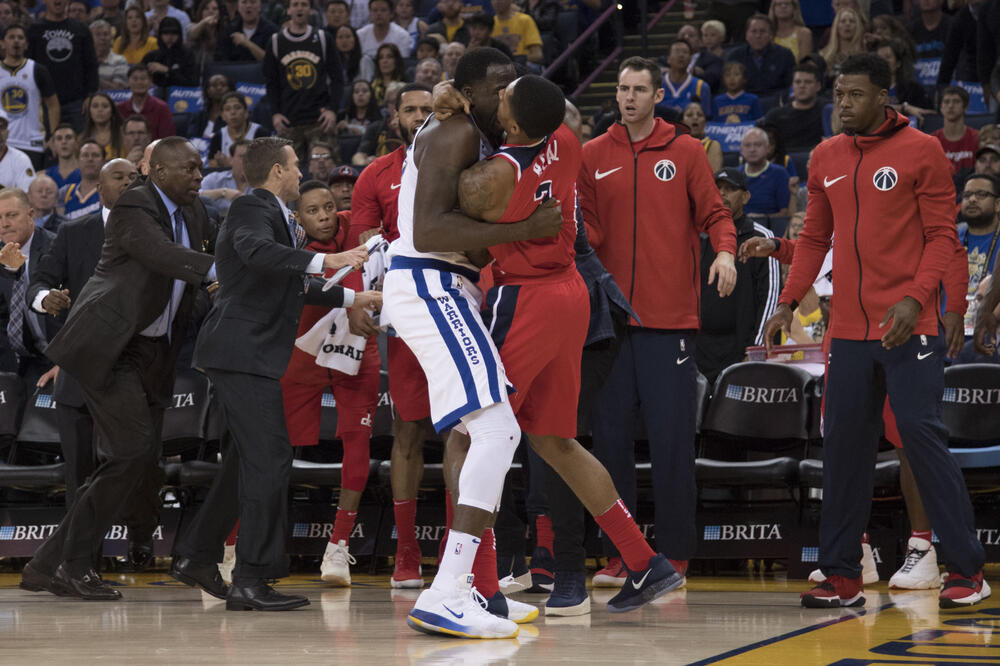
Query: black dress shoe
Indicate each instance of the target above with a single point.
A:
(89, 586)
(34, 579)
(195, 574)
(259, 595)
(139, 557)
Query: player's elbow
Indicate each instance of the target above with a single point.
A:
(423, 237)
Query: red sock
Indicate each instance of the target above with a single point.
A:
(864, 538)
(484, 567)
(921, 534)
(231, 539)
(618, 524)
(343, 525)
(405, 512)
(543, 532)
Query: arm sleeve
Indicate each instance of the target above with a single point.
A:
(786, 250)
(531, 36)
(44, 81)
(755, 111)
(272, 76)
(956, 282)
(254, 242)
(89, 62)
(143, 239)
(986, 50)
(936, 202)
(706, 99)
(335, 71)
(366, 212)
(334, 298)
(709, 214)
(813, 242)
(952, 48)
(587, 193)
(766, 276)
(50, 271)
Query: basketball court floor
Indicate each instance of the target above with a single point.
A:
(749, 619)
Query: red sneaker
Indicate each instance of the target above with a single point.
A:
(407, 573)
(834, 592)
(613, 575)
(960, 592)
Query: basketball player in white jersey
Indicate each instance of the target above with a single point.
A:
(25, 86)
(432, 301)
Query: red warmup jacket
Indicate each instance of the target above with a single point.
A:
(890, 200)
(375, 200)
(644, 205)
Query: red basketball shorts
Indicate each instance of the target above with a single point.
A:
(407, 383)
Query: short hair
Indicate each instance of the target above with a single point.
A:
(236, 144)
(138, 67)
(261, 156)
(870, 65)
(483, 19)
(718, 25)
(99, 23)
(734, 64)
(758, 16)
(985, 176)
(475, 63)
(233, 95)
(320, 144)
(957, 90)
(433, 60)
(674, 42)
(39, 177)
(429, 41)
(62, 126)
(758, 130)
(639, 64)
(13, 26)
(138, 118)
(312, 184)
(412, 87)
(538, 105)
(167, 145)
(15, 193)
(90, 140)
(339, 2)
(807, 68)
(392, 5)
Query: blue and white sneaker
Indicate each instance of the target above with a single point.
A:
(569, 596)
(641, 587)
(461, 612)
(516, 611)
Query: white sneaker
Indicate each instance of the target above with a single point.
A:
(459, 613)
(227, 564)
(510, 584)
(920, 568)
(869, 572)
(336, 567)
(516, 611)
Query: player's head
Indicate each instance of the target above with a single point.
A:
(415, 104)
(480, 75)
(316, 211)
(531, 108)
(640, 89)
(115, 178)
(861, 93)
(175, 167)
(270, 162)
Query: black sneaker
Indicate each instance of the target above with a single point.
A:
(542, 564)
(641, 587)
(569, 596)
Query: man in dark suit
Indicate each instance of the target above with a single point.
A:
(120, 342)
(244, 346)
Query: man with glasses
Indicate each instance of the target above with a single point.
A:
(137, 137)
(321, 161)
(978, 232)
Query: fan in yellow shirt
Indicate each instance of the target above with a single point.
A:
(517, 30)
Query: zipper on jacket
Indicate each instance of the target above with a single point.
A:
(857, 221)
(635, 220)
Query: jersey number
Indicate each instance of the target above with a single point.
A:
(544, 191)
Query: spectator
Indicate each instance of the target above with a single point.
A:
(517, 30)
(704, 64)
(342, 186)
(382, 31)
(790, 30)
(235, 125)
(885, 28)
(6, 13)
(427, 47)
(79, 199)
(930, 29)
(428, 72)
(970, 351)
(988, 160)
(960, 52)
(354, 64)
(846, 39)
(736, 105)
(469, 8)
(78, 10)
(382, 137)
(768, 183)
(768, 66)
(135, 41)
(43, 196)
(959, 141)
(906, 95)
(246, 38)
(361, 111)
(978, 233)
(208, 120)
(452, 53)
(173, 63)
(203, 36)
(800, 123)
(694, 118)
(161, 9)
(480, 27)
(321, 161)
(111, 11)
(66, 49)
(103, 123)
(137, 137)
(63, 146)
(156, 111)
(358, 13)
(16, 169)
(729, 325)
(28, 92)
(112, 69)
(713, 35)
(407, 19)
(275, 12)
(679, 86)
(989, 134)
(733, 14)
(390, 68)
(776, 154)
(451, 27)
(337, 13)
(220, 188)
(305, 89)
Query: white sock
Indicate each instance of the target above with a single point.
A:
(459, 554)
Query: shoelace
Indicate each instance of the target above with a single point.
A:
(913, 555)
(478, 598)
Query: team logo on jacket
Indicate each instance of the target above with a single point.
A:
(885, 179)
(664, 170)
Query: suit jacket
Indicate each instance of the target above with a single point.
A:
(263, 286)
(41, 240)
(131, 287)
(69, 263)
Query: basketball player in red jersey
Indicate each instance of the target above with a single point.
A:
(373, 209)
(538, 314)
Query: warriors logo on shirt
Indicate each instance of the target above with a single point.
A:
(885, 179)
(14, 100)
(665, 170)
(300, 69)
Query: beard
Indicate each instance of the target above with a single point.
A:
(983, 221)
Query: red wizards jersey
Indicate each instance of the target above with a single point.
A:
(545, 170)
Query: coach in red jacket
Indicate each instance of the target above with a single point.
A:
(884, 190)
(647, 191)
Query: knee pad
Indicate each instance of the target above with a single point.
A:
(494, 435)
(354, 470)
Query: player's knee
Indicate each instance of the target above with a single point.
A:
(495, 425)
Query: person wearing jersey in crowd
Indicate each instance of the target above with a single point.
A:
(83, 198)
(304, 81)
(16, 169)
(885, 190)
(25, 86)
(374, 207)
(539, 312)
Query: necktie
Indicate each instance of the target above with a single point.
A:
(178, 226)
(18, 308)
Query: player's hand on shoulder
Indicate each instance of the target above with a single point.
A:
(449, 101)
(546, 221)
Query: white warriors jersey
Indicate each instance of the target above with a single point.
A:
(22, 100)
(403, 246)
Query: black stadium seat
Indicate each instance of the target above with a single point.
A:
(11, 390)
(971, 411)
(238, 72)
(186, 416)
(32, 477)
